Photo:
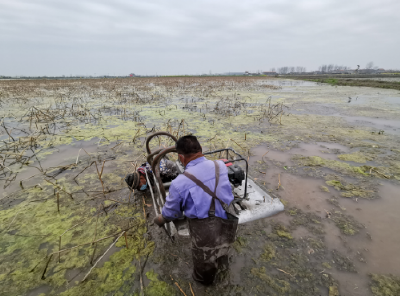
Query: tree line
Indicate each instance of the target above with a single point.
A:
(286, 70)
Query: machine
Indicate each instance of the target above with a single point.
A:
(251, 202)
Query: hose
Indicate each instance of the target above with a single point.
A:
(150, 157)
(158, 134)
(156, 168)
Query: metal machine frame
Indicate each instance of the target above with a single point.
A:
(250, 206)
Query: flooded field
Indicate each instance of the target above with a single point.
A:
(70, 226)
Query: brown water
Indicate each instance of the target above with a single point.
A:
(378, 245)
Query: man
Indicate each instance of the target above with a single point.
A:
(204, 193)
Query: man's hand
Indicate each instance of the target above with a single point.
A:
(160, 220)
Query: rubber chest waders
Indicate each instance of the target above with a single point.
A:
(211, 237)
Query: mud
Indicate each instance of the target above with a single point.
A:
(326, 158)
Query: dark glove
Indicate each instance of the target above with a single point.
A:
(160, 220)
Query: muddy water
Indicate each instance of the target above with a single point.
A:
(62, 155)
(376, 250)
(379, 124)
(321, 149)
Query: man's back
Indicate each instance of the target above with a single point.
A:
(185, 195)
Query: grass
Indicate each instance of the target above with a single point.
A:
(356, 82)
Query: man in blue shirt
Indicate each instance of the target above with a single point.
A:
(204, 194)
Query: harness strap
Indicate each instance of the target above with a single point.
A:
(211, 212)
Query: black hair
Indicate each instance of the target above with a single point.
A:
(187, 145)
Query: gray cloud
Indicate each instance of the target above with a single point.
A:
(46, 37)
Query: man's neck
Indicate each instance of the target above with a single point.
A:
(193, 157)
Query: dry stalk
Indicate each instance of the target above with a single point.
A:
(97, 261)
(190, 285)
(180, 288)
(99, 175)
(279, 181)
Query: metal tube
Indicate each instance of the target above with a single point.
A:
(158, 134)
(151, 191)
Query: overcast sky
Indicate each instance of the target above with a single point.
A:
(57, 37)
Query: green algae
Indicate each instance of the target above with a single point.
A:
(350, 190)
(316, 161)
(324, 188)
(385, 285)
(334, 183)
(333, 291)
(282, 232)
(276, 284)
(326, 265)
(240, 244)
(342, 262)
(309, 220)
(268, 253)
(157, 287)
(37, 224)
(347, 224)
(355, 157)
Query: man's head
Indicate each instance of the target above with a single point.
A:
(188, 148)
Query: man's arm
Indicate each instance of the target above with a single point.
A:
(172, 207)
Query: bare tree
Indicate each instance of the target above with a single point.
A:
(370, 65)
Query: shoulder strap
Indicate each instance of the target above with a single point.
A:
(211, 212)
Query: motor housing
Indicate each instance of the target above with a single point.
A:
(235, 175)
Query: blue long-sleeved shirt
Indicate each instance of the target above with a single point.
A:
(185, 195)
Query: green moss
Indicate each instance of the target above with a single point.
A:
(268, 253)
(309, 220)
(347, 224)
(324, 188)
(157, 287)
(38, 224)
(278, 285)
(332, 164)
(343, 262)
(239, 244)
(326, 265)
(284, 202)
(350, 190)
(334, 183)
(385, 285)
(333, 291)
(355, 157)
(282, 232)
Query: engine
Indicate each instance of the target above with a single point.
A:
(235, 175)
